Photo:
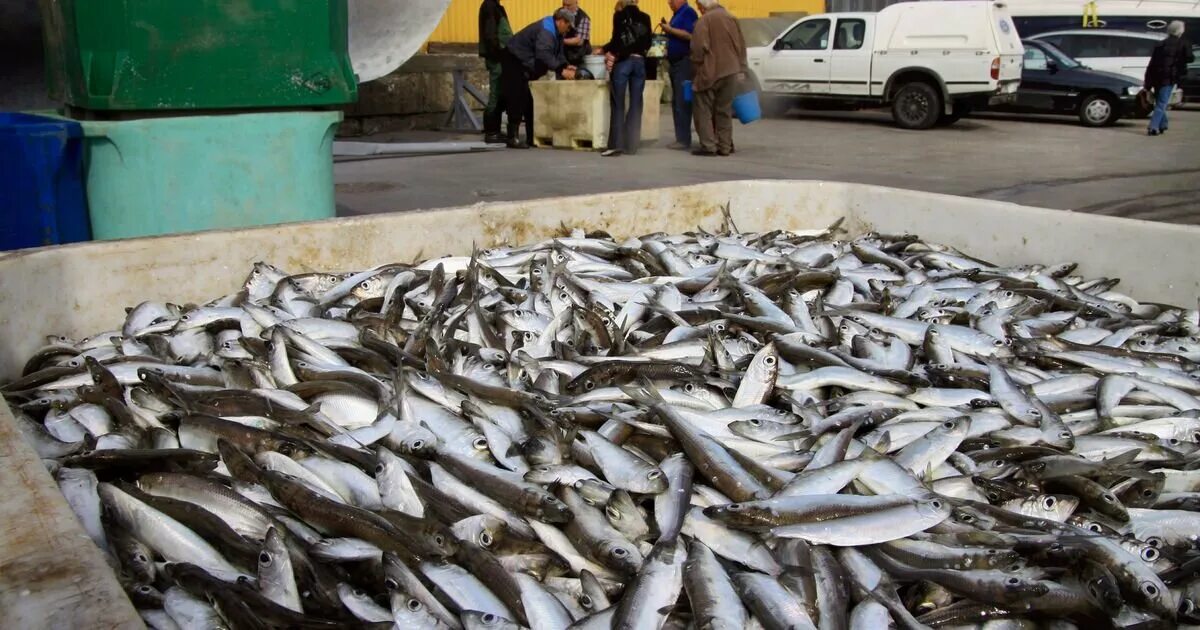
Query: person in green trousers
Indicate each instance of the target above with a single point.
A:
(494, 33)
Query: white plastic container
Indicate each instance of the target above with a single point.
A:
(55, 577)
(595, 65)
(574, 114)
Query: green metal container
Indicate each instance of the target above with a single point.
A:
(197, 54)
(183, 174)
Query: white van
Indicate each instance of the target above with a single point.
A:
(927, 60)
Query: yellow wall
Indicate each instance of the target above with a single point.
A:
(461, 22)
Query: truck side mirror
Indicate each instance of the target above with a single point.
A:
(778, 44)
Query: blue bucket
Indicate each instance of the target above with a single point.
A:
(746, 107)
(687, 91)
(41, 176)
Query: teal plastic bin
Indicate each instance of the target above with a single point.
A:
(184, 174)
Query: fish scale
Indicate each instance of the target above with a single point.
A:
(939, 438)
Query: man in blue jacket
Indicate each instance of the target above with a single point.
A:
(679, 48)
(536, 50)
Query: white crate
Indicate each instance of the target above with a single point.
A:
(574, 114)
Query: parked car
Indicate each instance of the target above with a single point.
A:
(926, 60)
(1125, 52)
(1054, 83)
(1190, 86)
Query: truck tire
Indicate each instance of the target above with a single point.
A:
(916, 105)
(774, 106)
(1098, 110)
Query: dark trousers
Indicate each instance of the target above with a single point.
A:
(494, 108)
(516, 99)
(713, 110)
(625, 127)
(681, 111)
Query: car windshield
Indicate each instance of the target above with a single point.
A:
(1063, 60)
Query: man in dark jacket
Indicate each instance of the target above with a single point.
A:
(494, 33)
(530, 54)
(1168, 65)
(626, 55)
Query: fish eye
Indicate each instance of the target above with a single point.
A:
(1155, 542)
(966, 518)
(1048, 503)
(1034, 413)
(1066, 435)
(1148, 492)
(937, 505)
(997, 343)
(480, 443)
(488, 618)
(140, 557)
(719, 327)
(1149, 589)
(620, 552)
(755, 422)
(1013, 581)
(439, 540)
(992, 552)
(413, 604)
(654, 474)
(379, 468)
(586, 602)
(589, 385)
(612, 512)
(1174, 442)
(418, 443)
(948, 424)
(485, 539)
(391, 584)
(144, 589)
(264, 558)
(358, 593)
(1108, 498)
(1149, 554)
(734, 507)
(769, 361)
(1096, 528)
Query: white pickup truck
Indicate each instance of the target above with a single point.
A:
(929, 61)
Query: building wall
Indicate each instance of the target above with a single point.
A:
(461, 22)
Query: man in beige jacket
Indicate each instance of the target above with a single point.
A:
(719, 65)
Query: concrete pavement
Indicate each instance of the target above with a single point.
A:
(1049, 161)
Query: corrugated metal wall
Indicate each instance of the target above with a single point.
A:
(461, 22)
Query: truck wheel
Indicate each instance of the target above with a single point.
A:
(774, 106)
(1098, 110)
(917, 105)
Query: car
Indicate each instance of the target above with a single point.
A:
(1126, 52)
(926, 60)
(1054, 83)
(1190, 86)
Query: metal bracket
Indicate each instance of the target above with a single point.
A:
(461, 117)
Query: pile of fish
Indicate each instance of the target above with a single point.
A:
(729, 430)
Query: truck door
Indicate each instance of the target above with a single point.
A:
(850, 71)
(799, 62)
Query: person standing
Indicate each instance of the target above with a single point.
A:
(1168, 66)
(718, 55)
(679, 44)
(627, 55)
(577, 42)
(534, 51)
(494, 33)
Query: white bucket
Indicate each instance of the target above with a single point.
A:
(595, 65)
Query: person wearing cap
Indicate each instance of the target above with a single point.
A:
(532, 53)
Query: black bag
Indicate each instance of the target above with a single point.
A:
(631, 32)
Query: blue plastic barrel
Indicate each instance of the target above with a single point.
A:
(746, 107)
(41, 176)
(687, 91)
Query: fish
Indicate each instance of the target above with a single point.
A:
(719, 428)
